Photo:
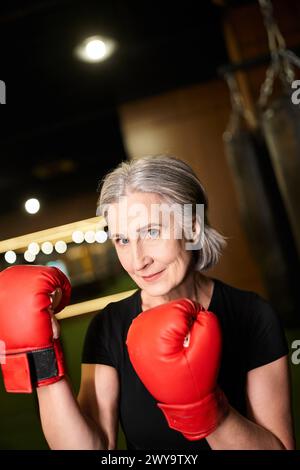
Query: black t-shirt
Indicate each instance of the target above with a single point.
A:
(252, 336)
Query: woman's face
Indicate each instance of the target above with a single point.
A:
(146, 243)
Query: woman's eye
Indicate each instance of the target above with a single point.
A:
(153, 232)
(121, 241)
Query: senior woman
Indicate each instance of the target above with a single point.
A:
(187, 362)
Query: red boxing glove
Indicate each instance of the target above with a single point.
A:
(175, 349)
(32, 357)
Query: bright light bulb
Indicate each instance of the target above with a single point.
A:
(95, 49)
(78, 236)
(61, 246)
(29, 257)
(33, 248)
(32, 206)
(101, 236)
(10, 257)
(47, 248)
(89, 236)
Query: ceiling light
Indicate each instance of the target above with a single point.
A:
(32, 206)
(95, 49)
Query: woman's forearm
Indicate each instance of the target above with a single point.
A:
(63, 423)
(238, 433)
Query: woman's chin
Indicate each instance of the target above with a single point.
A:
(156, 289)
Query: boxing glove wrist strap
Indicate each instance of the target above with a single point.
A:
(22, 371)
(197, 420)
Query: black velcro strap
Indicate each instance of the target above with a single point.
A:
(43, 364)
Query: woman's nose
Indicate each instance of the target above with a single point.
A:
(140, 258)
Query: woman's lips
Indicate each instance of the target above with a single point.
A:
(153, 276)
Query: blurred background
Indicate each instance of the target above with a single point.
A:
(88, 84)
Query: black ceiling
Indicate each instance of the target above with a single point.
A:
(60, 120)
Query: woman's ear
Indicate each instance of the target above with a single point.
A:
(195, 241)
(196, 229)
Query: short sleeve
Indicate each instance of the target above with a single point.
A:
(96, 347)
(265, 336)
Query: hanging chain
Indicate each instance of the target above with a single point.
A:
(239, 111)
(235, 95)
(281, 57)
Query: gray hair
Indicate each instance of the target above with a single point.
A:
(174, 181)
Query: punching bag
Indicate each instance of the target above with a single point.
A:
(280, 119)
(263, 215)
(281, 127)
